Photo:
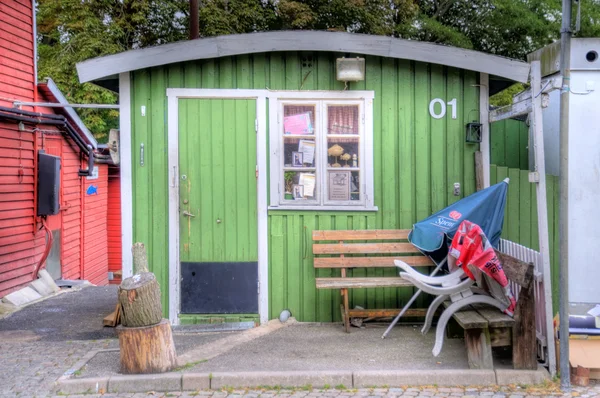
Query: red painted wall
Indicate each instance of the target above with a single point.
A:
(16, 51)
(95, 237)
(82, 219)
(114, 223)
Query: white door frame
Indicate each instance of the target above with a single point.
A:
(173, 96)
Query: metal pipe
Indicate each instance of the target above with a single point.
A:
(565, 71)
(194, 20)
(56, 105)
(30, 113)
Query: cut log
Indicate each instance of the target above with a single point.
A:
(140, 259)
(148, 349)
(139, 297)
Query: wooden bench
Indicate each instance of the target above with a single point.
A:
(486, 327)
(347, 250)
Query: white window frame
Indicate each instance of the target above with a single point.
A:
(321, 99)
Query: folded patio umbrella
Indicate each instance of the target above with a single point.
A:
(485, 208)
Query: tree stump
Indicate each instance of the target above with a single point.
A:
(139, 297)
(147, 349)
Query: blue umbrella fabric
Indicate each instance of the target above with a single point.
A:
(484, 208)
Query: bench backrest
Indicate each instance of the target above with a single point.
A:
(365, 249)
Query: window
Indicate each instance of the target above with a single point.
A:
(321, 151)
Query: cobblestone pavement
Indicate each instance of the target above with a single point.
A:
(29, 369)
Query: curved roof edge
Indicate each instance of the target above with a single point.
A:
(222, 46)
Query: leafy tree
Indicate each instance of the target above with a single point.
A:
(70, 31)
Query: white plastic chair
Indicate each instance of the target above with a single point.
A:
(457, 287)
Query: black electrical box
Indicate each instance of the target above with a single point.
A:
(48, 202)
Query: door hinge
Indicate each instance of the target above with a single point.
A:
(256, 125)
(258, 287)
(256, 172)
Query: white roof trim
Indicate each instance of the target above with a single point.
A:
(222, 46)
(70, 111)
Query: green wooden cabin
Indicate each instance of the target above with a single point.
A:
(235, 148)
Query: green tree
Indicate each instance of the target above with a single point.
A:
(70, 31)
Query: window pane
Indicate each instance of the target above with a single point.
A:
(300, 185)
(298, 119)
(343, 185)
(342, 119)
(343, 152)
(299, 152)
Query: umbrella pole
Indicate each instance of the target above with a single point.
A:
(411, 301)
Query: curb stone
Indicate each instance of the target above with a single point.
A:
(363, 380)
(440, 377)
(510, 376)
(144, 383)
(95, 385)
(288, 379)
(195, 381)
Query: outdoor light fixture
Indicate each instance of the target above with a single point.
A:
(350, 69)
(473, 132)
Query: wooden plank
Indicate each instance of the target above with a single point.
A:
(370, 262)
(364, 248)
(516, 270)
(479, 348)
(524, 333)
(479, 170)
(468, 318)
(374, 234)
(387, 313)
(495, 318)
(501, 337)
(358, 283)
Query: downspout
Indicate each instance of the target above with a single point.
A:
(563, 225)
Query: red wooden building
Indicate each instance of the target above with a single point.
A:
(79, 248)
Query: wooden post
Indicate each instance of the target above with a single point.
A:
(479, 348)
(479, 183)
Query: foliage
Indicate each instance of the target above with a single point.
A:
(70, 31)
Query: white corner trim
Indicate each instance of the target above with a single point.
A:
(263, 239)
(126, 176)
(173, 95)
(173, 189)
(484, 113)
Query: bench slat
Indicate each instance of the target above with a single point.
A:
(468, 318)
(377, 234)
(370, 262)
(357, 283)
(411, 312)
(364, 248)
(495, 318)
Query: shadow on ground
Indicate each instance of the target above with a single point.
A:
(68, 316)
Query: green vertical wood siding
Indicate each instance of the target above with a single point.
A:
(417, 159)
(520, 217)
(509, 144)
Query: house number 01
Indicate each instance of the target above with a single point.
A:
(442, 112)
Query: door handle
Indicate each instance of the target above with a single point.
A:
(188, 214)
